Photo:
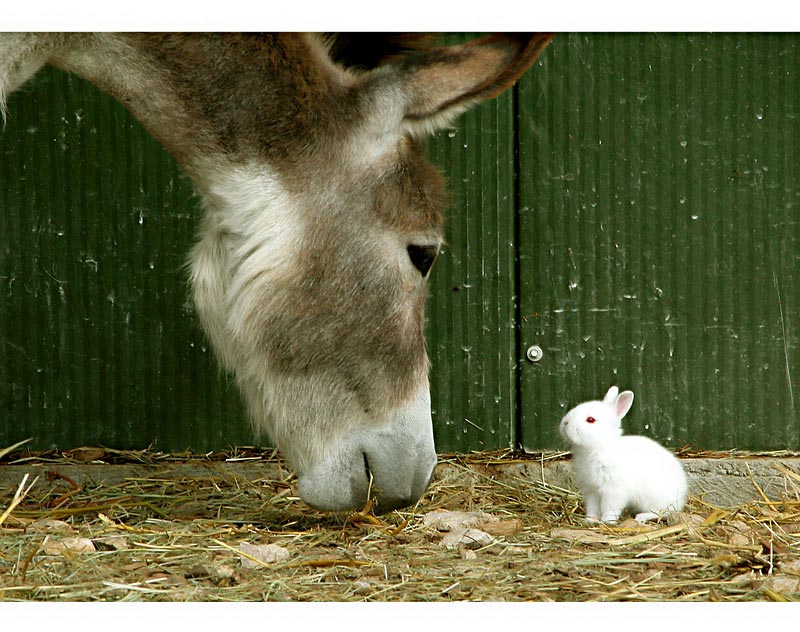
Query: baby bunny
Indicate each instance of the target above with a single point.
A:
(616, 473)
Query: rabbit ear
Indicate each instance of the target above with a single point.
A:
(624, 403)
(611, 396)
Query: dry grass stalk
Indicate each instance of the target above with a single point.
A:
(19, 495)
(12, 448)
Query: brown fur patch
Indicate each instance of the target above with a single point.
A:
(412, 195)
(256, 92)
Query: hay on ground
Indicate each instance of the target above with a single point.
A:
(229, 538)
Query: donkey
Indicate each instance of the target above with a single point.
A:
(321, 222)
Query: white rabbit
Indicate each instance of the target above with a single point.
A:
(616, 473)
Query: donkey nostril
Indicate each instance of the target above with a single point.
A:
(422, 257)
(366, 465)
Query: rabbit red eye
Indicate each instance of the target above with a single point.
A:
(590, 420)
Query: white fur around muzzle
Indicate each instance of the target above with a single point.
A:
(393, 461)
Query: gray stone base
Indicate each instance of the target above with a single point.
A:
(722, 482)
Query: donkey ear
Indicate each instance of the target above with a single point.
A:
(440, 83)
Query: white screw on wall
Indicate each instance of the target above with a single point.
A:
(534, 353)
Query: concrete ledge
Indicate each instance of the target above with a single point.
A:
(724, 482)
(112, 474)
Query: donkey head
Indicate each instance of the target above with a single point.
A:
(311, 271)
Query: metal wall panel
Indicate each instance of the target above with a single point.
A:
(471, 312)
(659, 242)
(100, 344)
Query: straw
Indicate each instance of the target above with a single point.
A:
(172, 537)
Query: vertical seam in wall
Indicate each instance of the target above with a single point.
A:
(517, 365)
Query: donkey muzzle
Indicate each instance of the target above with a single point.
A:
(392, 463)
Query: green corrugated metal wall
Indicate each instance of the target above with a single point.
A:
(98, 340)
(660, 234)
(632, 208)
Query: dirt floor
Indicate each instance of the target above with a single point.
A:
(100, 525)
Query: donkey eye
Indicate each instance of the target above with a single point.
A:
(590, 420)
(422, 257)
